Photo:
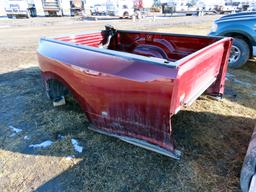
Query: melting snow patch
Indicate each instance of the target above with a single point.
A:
(254, 94)
(15, 130)
(42, 145)
(60, 137)
(77, 147)
(70, 157)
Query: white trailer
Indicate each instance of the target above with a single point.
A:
(26, 8)
(62, 7)
(51, 8)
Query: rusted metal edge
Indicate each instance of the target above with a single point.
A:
(176, 154)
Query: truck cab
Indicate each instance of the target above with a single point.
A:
(242, 28)
(120, 8)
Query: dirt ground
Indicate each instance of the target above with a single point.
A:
(212, 135)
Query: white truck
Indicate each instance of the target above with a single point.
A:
(51, 8)
(16, 8)
(27, 8)
(120, 8)
(99, 9)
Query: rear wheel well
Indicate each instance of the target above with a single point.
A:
(126, 14)
(55, 89)
(243, 37)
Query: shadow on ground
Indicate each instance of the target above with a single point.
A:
(207, 163)
(213, 145)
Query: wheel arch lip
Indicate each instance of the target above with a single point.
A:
(249, 39)
(238, 32)
(234, 28)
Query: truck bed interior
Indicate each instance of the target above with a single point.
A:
(171, 47)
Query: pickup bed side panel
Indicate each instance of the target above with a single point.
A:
(217, 88)
(120, 96)
(203, 70)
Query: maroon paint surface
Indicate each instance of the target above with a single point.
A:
(135, 98)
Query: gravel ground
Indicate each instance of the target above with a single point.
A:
(212, 135)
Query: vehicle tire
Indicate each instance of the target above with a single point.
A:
(126, 14)
(240, 53)
(27, 16)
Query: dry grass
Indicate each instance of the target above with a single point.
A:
(213, 137)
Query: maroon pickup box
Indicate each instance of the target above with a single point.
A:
(130, 83)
